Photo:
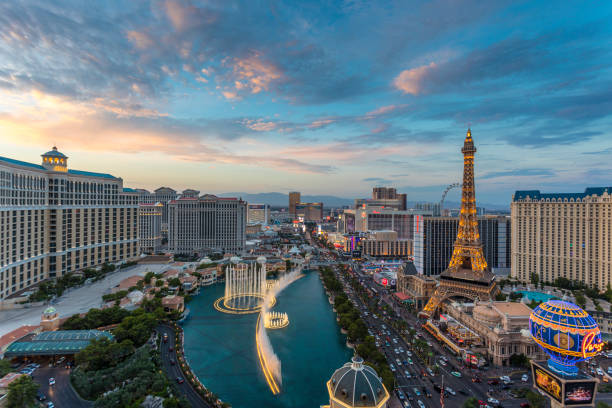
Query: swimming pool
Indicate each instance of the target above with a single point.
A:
(537, 296)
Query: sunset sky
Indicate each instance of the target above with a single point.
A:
(328, 97)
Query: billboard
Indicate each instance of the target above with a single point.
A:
(579, 393)
(544, 381)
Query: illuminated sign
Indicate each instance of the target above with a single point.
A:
(384, 281)
(547, 383)
(579, 393)
(591, 344)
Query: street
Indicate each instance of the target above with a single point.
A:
(61, 394)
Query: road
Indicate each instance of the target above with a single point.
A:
(174, 371)
(61, 394)
(380, 326)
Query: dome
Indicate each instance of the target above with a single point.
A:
(54, 153)
(357, 385)
(485, 313)
(566, 333)
(50, 310)
(135, 296)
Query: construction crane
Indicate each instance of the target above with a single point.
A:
(449, 188)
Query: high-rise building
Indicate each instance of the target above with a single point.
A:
(55, 220)
(386, 197)
(386, 244)
(565, 235)
(294, 198)
(309, 211)
(149, 226)
(190, 193)
(434, 239)
(258, 214)
(433, 207)
(206, 224)
(164, 195)
(468, 274)
(379, 219)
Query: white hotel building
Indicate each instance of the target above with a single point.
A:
(55, 220)
(565, 235)
(206, 224)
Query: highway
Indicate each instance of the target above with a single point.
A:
(174, 371)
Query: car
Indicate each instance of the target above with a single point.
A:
(463, 392)
(525, 378)
(456, 374)
(476, 380)
(427, 393)
(442, 363)
(410, 354)
(172, 362)
(397, 360)
(40, 396)
(450, 390)
(429, 371)
(179, 380)
(421, 405)
(51, 381)
(392, 367)
(493, 382)
(50, 405)
(401, 395)
(407, 374)
(599, 371)
(525, 405)
(416, 391)
(492, 401)
(437, 388)
(410, 361)
(171, 349)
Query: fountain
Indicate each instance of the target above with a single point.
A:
(276, 320)
(245, 288)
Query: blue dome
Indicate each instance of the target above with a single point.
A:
(55, 153)
(566, 333)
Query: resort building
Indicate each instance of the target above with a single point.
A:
(309, 211)
(565, 235)
(501, 328)
(294, 198)
(413, 287)
(386, 197)
(386, 244)
(206, 224)
(164, 195)
(434, 238)
(55, 220)
(258, 214)
(149, 226)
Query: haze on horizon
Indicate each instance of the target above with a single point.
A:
(325, 97)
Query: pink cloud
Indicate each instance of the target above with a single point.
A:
(410, 81)
(140, 40)
(317, 124)
(260, 125)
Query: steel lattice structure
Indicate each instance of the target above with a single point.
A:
(467, 274)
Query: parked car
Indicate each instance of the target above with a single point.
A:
(525, 378)
(40, 396)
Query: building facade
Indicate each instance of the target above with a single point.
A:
(206, 224)
(373, 218)
(149, 227)
(565, 235)
(434, 238)
(416, 287)
(386, 197)
(55, 220)
(386, 244)
(164, 195)
(258, 214)
(294, 198)
(309, 211)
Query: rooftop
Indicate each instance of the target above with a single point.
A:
(513, 309)
(536, 195)
(55, 343)
(70, 171)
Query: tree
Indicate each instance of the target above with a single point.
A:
(535, 279)
(175, 282)
(148, 276)
(471, 402)
(535, 400)
(519, 360)
(22, 393)
(5, 367)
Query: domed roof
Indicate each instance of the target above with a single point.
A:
(357, 385)
(50, 310)
(54, 153)
(486, 313)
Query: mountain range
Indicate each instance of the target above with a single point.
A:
(282, 200)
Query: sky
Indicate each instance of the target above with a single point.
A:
(323, 97)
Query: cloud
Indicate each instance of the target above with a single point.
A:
(260, 125)
(409, 81)
(530, 172)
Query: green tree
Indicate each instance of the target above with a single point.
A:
(22, 393)
(471, 402)
(5, 367)
(535, 399)
(174, 282)
(602, 405)
(519, 360)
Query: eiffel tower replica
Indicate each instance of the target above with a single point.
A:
(467, 274)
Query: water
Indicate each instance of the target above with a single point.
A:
(221, 348)
(537, 296)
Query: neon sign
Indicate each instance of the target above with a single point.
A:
(591, 344)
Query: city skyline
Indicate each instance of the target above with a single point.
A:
(185, 95)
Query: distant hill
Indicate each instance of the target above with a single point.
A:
(282, 200)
